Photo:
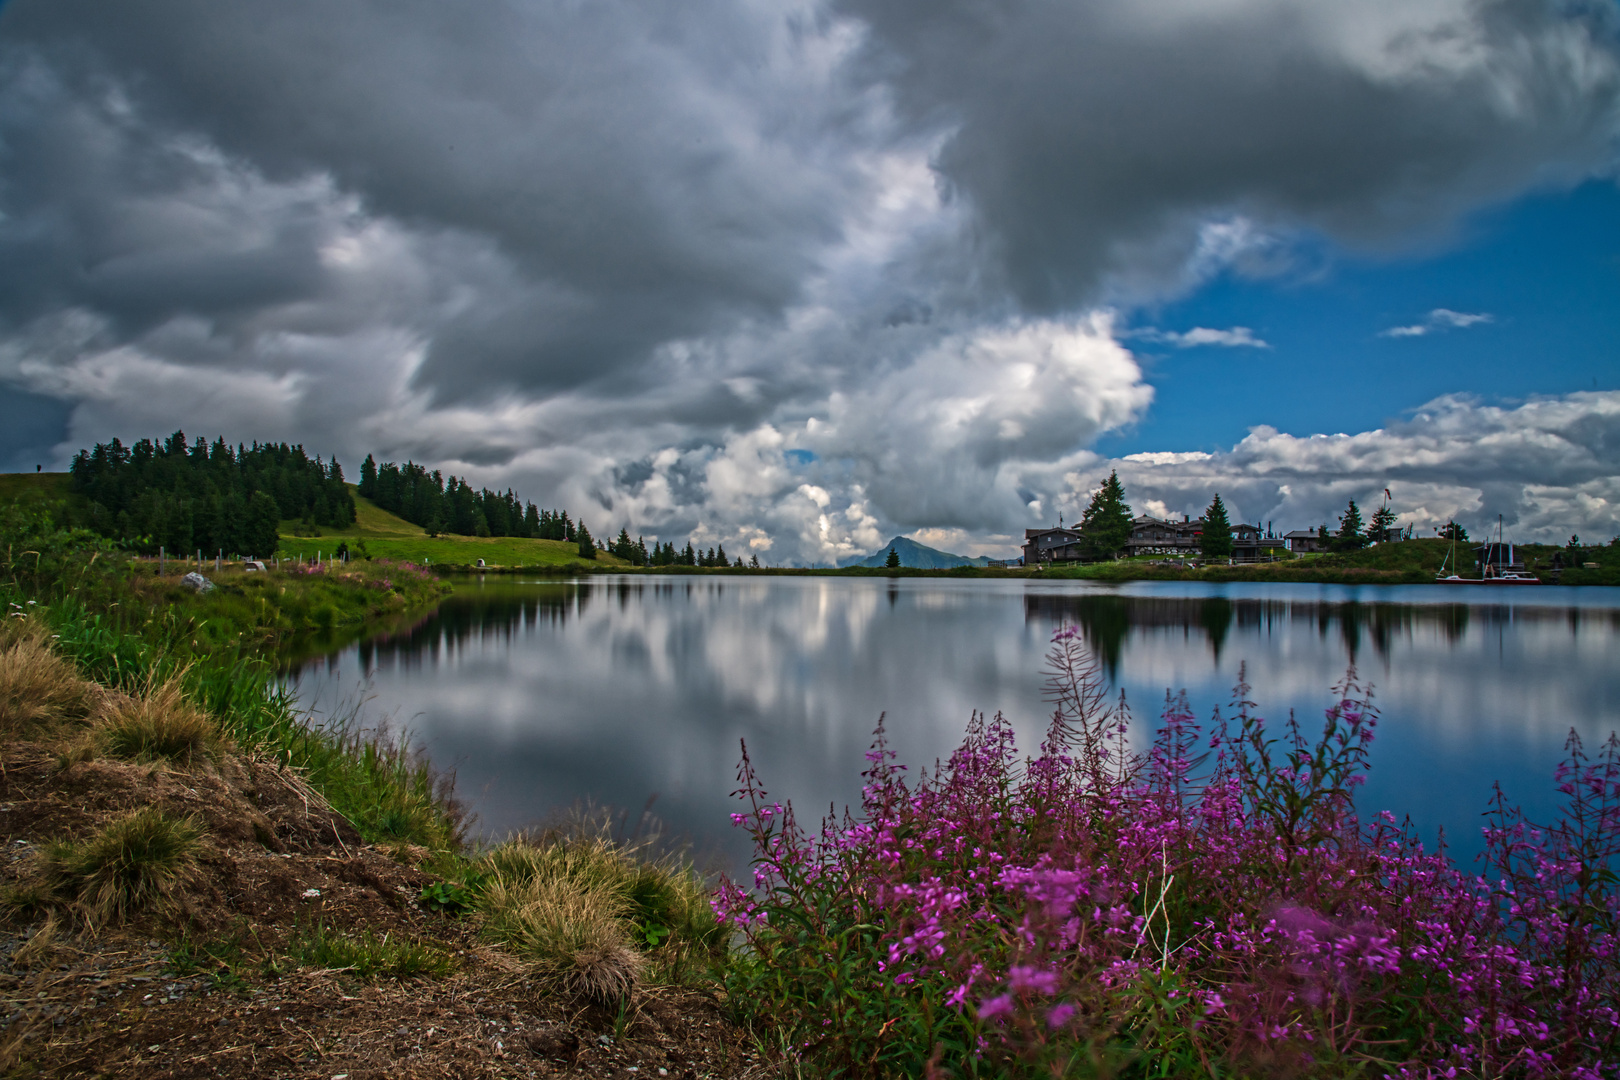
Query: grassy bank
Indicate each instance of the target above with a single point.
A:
(174, 821)
(127, 627)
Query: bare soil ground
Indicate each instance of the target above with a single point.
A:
(211, 987)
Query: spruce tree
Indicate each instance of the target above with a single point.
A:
(720, 556)
(893, 561)
(1105, 528)
(259, 527)
(1349, 537)
(1383, 520)
(1216, 541)
(587, 549)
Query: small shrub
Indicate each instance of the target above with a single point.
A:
(38, 689)
(160, 725)
(448, 898)
(370, 956)
(132, 863)
(222, 959)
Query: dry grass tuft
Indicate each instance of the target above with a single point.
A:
(132, 863)
(40, 947)
(571, 935)
(160, 725)
(38, 689)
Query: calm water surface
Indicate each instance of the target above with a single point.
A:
(541, 694)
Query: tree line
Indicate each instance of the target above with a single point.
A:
(1105, 527)
(441, 504)
(183, 496)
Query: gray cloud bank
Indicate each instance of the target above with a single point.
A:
(789, 275)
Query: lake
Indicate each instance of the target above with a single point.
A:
(542, 694)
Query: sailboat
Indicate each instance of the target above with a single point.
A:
(1494, 571)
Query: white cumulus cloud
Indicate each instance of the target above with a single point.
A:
(1438, 320)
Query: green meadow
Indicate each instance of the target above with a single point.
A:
(380, 535)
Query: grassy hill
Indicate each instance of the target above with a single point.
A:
(382, 535)
(33, 488)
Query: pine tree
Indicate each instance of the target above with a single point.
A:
(368, 477)
(1105, 528)
(753, 561)
(1349, 537)
(1453, 531)
(893, 561)
(1216, 541)
(720, 556)
(587, 549)
(1382, 521)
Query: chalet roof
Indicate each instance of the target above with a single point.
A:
(1301, 534)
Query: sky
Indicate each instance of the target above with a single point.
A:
(796, 276)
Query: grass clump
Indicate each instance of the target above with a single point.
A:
(370, 956)
(160, 725)
(595, 915)
(570, 934)
(39, 690)
(132, 863)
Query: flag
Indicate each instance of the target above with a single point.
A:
(1388, 496)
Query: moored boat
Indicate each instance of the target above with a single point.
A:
(1497, 563)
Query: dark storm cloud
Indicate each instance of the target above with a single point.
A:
(791, 275)
(613, 152)
(30, 427)
(1096, 139)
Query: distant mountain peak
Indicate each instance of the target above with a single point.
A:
(915, 555)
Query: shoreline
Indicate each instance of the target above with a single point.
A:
(1102, 573)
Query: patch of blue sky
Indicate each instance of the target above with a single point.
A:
(1544, 271)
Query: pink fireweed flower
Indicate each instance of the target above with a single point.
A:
(996, 1006)
(1021, 977)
